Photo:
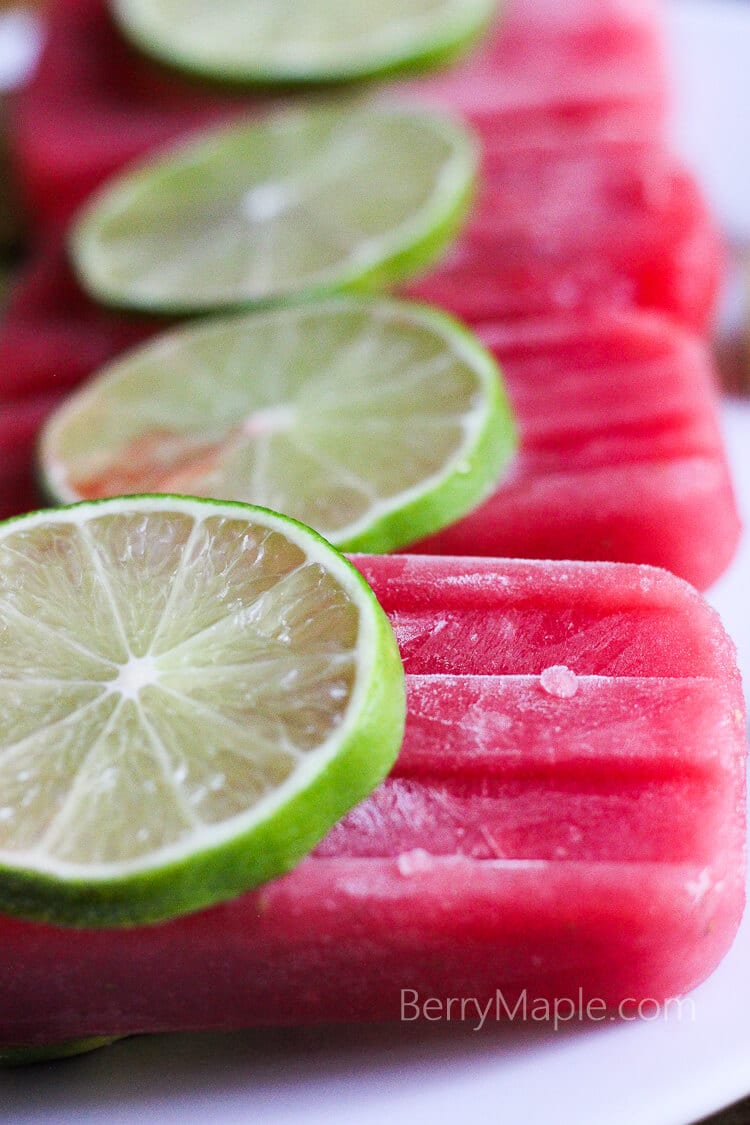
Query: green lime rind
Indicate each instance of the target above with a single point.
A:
(447, 40)
(454, 485)
(132, 248)
(414, 258)
(461, 487)
(52, 1052)
(289, 825)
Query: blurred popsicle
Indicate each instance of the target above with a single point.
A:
(587, 229)
(621, 456)
(19, 424)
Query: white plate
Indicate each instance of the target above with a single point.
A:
(660, 1073)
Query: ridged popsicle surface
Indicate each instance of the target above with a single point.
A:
(567, 813)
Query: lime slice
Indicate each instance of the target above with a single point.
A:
(51, 1052)
(375, 421)
(307, 201)
(288, 41)
(191, 694)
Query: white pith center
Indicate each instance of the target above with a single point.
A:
(266, 202)
(138, 673)
(273, 420)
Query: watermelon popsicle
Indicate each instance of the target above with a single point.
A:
(621, 456)
(567, 814)
(570, 107)
(19, 424)
(94, 104)
(647, 240)
(559, 75)
(52, 335)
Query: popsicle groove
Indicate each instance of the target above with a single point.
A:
(511, 641)
(488, 745)
(510, 727)
(524, 775)
(520, 819)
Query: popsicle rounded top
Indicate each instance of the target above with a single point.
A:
(626, 461)
(570, 613)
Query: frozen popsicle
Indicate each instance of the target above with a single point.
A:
(96, 104)
(620, 457)
(570, 109)
(556, 75)
(19, 424)
(565, 821)
(564, 138)
(52, 336)
(592, 228)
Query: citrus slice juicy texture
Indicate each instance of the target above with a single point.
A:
(191, 694)
(374, 421)
(306, 201)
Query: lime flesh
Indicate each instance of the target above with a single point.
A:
(375, 421)
(307, 201)
(191, 694)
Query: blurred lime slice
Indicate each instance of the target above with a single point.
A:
(290, 41)
(306, 201)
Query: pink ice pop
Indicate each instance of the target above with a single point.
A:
(52, 335)
(552, 75)
(570, 107)
(19, 424)
(621, 456)
(94, 104)
(566, 820)
(587, 229)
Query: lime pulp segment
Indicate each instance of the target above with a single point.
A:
(289, 41)
(375, 421)
(191, 694)
(306, 201)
